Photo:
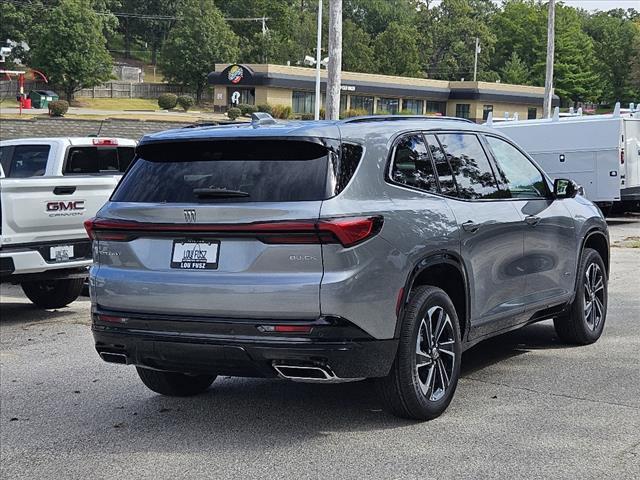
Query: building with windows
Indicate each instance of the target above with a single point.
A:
(376, 94)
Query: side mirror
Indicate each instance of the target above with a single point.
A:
(565, 188)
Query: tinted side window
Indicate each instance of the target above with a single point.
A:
(443, 170)
(412, 165)
(470, 166)
(28, 161)
(5, 159)
(522, 178)
(343, 166)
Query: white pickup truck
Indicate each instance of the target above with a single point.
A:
(48, 187)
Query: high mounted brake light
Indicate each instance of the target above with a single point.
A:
(347, 231)
(104, 142)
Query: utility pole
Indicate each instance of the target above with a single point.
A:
(548, 82)
(475, 62)
(334, 67)
(318, 55)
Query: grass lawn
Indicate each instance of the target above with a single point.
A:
(117, 103)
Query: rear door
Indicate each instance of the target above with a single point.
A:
(217, 228)
(491, 240)
(549, 262)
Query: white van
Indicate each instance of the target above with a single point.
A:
(599, 152)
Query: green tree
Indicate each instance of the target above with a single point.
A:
(396, 51)
(574, 76)
(70, 48)
(357, 52)
(515, 71)
(375, 16)
(447, 38)
(201, 39)
(614, 38)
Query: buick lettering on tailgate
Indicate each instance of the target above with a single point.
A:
(62, 208)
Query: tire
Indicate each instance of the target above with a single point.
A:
(422, 392)
(174, 384)
(53, 293)
(584, 322)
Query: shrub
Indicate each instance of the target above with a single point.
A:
(233, 113)
(323, 113)
(308, 116)
(186, 102)
(383, 112)
(266, 108)
(281, 111)
(354, 112)
(406, 112)
(247, 109)
(58, 108)
(167, 101)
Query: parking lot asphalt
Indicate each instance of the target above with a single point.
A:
(526, 406)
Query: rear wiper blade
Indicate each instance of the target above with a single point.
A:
(218, 193)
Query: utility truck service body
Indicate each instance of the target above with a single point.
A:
(599, 152)
(48, 187)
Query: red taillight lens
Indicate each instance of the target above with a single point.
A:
(285, 328)
(347, 231)
(88, 226)
(350, 231)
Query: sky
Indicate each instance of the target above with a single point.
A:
(599, 4)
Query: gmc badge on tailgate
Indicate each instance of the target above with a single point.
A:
(60, 208)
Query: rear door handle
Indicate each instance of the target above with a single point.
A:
(470, 226)
(64, 190)
(532, 220)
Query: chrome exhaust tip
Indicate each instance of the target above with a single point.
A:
(111, 357)
(309, 373)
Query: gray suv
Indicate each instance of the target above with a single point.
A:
(373, 247)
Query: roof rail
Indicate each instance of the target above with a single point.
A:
(383, 118)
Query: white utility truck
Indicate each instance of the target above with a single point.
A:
(599, 152)
(48, 187)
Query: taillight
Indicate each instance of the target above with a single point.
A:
(105, 142)
(347, 231)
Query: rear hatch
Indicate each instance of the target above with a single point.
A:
(223, 228)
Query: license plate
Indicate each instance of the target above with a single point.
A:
(61, 253)
(199, 255)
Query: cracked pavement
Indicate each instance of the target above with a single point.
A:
(526, 407)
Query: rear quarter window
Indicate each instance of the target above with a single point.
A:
(232, 171)
(27, 161)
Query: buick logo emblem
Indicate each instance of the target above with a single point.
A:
(190, 216)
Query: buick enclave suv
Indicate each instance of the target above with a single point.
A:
(373, 247)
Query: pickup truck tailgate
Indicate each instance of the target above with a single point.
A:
(50, 208)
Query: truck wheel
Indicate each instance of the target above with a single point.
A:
(425, 373)
(584, 322)
(174, 384)
(53, 293)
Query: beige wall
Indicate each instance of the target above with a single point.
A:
(279, 96)
(499, 109)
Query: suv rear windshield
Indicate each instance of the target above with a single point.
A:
(238, 171)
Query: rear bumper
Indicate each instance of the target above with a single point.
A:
(240, 347)
(630, 194)
(27, 259)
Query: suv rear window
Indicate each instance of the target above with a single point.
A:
(93, 160)
(238, 171)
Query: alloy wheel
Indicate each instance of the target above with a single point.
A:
(593, 296)
(435, 354)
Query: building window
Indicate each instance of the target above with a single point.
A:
(343, 103)
(362, 103)
(243, 95)
(303, 102)
(436, 108)
(532, 113)
(486, 110)
(388, 106)
(463, 110)
(412, 105)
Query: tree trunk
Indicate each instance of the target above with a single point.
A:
(335, 60)
(199, 90)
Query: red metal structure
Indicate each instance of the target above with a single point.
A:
(23, 101)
